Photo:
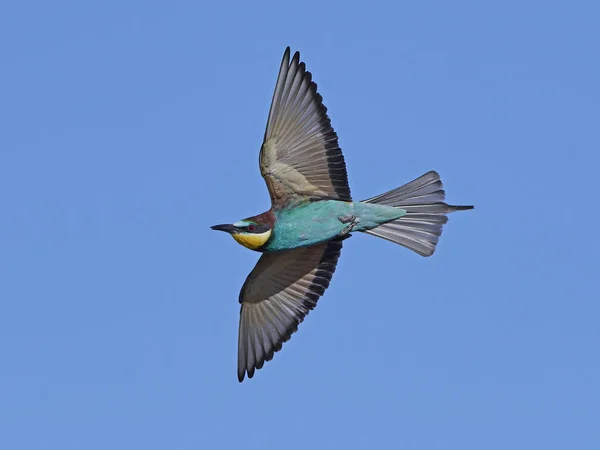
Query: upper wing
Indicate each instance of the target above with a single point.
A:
(300, 155)
(277, 295)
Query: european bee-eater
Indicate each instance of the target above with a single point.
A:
(311, 213)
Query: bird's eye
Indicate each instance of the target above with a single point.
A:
(250, 227)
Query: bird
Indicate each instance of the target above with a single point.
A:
(312, 213)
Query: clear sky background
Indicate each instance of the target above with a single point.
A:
(127, 128)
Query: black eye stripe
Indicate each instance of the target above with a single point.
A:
(256, 228)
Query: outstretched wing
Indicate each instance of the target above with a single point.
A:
(300, 156)
(277, 295)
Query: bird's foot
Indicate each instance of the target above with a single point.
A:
(352, 221)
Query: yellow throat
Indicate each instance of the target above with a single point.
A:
(252, 241)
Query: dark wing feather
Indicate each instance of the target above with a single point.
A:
(277, 295)
(300, 155)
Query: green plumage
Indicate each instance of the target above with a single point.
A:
(314, 222)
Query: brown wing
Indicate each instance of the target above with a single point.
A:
(277, 295)
(300, 156)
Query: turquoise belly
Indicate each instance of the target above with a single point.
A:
(315, 222)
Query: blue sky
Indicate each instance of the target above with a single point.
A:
(129, 127)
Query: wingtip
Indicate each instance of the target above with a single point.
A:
(295, 59)
(288, 58)
(285, 61)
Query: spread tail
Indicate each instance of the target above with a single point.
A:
(420, 228)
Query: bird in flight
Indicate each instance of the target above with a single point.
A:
(312, 213)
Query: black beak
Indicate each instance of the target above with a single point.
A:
(226, 228)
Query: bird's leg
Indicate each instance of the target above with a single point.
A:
(351, 221)
(347, 219)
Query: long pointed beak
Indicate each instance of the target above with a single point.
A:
(225, 227)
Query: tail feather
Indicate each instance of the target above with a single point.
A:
(420, 228)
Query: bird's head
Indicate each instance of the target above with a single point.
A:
(252, 233)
